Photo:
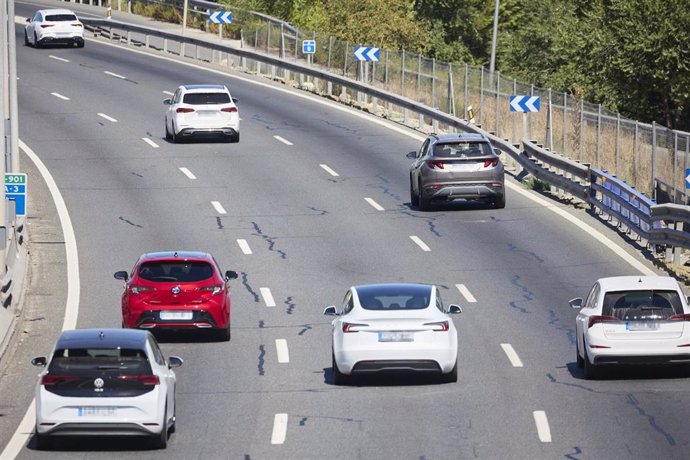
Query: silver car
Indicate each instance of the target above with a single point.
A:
(456, 166)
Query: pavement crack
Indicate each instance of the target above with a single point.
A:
(630, 399)
(290, 305)
(262, 354)
(573, 455)
(570, 332)
(245, 283)
(514, 248)
(130, 222)
(305, 328)
(219, 223)
(526, 293)
(519, 308)
(270, 240)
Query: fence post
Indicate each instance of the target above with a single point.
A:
(419, 87)
(618, 144)
(498, 93)
(596, 162)
(531, 93)
(675, 166)
(636, 151)
(451, 91)
(434, 123)
(549, 122)
(481, 97)
(653, 160)
(402, 84)
(565, 122)
(514, 116)
(466, 96)
(582, 129)
(685, 162)
(347, 47)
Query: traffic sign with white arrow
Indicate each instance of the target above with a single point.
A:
(524, 103)
(687, 178)
(220, 17)
(366, 53)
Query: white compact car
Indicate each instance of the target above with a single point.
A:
(202, 111)
(393, 328)
(54, 26)
(632, 320)
(112, 382)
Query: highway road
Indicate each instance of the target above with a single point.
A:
(315, 199)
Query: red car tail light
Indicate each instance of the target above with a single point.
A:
(229, 109)
(600, 319)
(683, 317)
(48, 379)
(434, 164)
(45, 26)
(143, 379)
(215, 290)
(77, 25)
(492, 163)
(184, 110)
(440, 326)
(347, 327)
(136, 290)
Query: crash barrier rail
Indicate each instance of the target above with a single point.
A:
(601, 190)
(11, 284)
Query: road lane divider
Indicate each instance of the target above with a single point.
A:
(329, 170)
(57, 58)
(374, 204)
(218, 207)
(60, 96)
(268, 297)
(150, 142)
(512, 354)
(466, 293)
(282, 351)
(111, 119)
(418, 241)
(188, 173)
(283, 140)
(279, 429)
(244, 246)
(543, 430)
(107, 72)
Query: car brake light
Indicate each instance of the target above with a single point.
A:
(215, 289)
(492, 163)
(184, 110)
(347, 327)
(45, 26)
(77, 25)
(229, 109)
(440, 326)
(434, 164)
(600, 319)
(136, 290)
(684, 317)
(48, 379)
(143, 379)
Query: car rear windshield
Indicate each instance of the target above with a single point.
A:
(173, 271)
(92, 361)
(60, 17)
(642, 305)
(396, 298)
(206, 98)
(462, 150)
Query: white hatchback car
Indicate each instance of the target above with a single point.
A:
(202, 111)
(113, 382)
(54, 26)
(393, 328)
(632, 320)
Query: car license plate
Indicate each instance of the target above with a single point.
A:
(642, 325)
(207, 113)
(96, 411)
(166, 315)
(396, 336)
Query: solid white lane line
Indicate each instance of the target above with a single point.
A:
(218, 207)
(268, 297)
(102, 115)
(114, 75)
(512, 354)
(150, 142)
(282, 350)
(57, 58)
(188, 173)
(60, 96)
(374, 204)
(244, 246)
(329, 170)
(420, 243)
(466, 293)
(283, 140)
(542, 422)
(168, 93)
(279, 429)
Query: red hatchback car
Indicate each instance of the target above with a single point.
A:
(177, 290)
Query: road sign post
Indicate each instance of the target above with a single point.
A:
(524, 104)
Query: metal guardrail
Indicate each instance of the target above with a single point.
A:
(598, 188)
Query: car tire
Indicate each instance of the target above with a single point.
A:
(414, 198)
(80, 43)
(235, 139)
(500, 202)
(173, 427)
(590, 371)
(167, 133)
(224, 334)
(160, 441)
(43, 442)
(26, 39)
(338, 377)
(36, 43)
(578, 359)
(452, 376)
(173, 136)
(424, 203)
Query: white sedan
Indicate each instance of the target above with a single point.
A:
(54, 26)
(106, 382)
(632, 320)
(393, 328)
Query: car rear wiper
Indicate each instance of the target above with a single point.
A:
(110, 367)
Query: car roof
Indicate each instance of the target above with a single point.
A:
(204, 88)
(391, 288)
(181, 255)
(635, 283)
(57, 11)
(455, 137)
(103, 338)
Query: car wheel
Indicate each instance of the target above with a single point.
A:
(36, 44)
(414, 199)
(235, 139)
(590, 371)
(338, 377)
(167, 133)
(160, 441)
(578, 359)
(173, 426)
(26, 39)
(43, 442)
(173, 136)
(424, 203)
(500, 202)
(224, 334)
(452, 376)
(80, 44)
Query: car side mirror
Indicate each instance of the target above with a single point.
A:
(576, 302)
(174, 361)
(688, 299)
(39, 361)
(121, 275)
(330, 311)
(28, 19)
(167, 101)
(497, 151)
(454, 309)
(230, 275)
(411, 155)
(235, 100)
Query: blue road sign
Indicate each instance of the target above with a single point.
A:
(220, 17)
(524, 103)
(309, 46)
(366, 53)
(687, 178)
(15, 190)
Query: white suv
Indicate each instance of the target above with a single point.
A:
(202, 111)
(54, 26)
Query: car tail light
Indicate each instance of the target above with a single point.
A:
(143, 379)
(601, 319)
(184, 110)
(684, 317)
(48, 379)
(492, 163)
(45, 26)
(215, 290)
(434, 164)
(440, 326)
(77, 25)
(598, 346)
(229, 109)
(136, 290)
(347, 327)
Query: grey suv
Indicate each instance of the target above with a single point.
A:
(456, 166)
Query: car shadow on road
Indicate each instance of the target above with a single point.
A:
(455, 205)
(630, 372)
(95, 444)
(186, 336)
(385, 379)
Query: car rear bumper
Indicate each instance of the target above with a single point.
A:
(641, 359)
(201, 319)
(61, 40)
(98, 429)
(208, 132)
(372, 361)
(452, 191)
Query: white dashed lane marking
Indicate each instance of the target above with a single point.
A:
(283, 140)
(218, 207)
(329, 170)
(512, 355)
(150, 142)
(244, 246)
(58, 58)
(420, 243)
(114, 75)
(279, 429)
(466, 293)
(374, 204)
(60, 96)
(188, 173)
(282, 351)
(102, 115)
(543, 430)
(268, 297)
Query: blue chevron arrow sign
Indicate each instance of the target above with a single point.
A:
(524, 103)
(220, 17)
(366, 53)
